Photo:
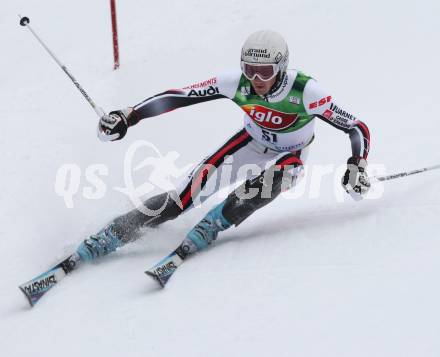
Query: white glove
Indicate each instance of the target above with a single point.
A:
(113, 126)
(355, 180)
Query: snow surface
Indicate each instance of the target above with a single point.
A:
(304, 277)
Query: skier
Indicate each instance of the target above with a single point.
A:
(280, 108)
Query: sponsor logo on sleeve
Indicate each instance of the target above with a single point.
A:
(209, 82)
(203, 92)
(342, 122)
(320, 102)
(338, 116)
(269, 118)
(327, 114)
(341, 113)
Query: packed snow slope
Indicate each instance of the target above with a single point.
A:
(312, 276)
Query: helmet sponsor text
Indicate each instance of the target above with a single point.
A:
(257, 53)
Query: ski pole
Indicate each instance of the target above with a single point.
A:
(24, 21)
(404, 174)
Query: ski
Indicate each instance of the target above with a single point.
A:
(34, 289)
(163, 270)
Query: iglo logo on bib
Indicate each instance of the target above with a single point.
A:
(270, 118)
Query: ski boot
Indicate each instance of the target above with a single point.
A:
(206, 230)
(103, 243)
(197, 239)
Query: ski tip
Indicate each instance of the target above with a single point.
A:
(155, 277)
(28, 297)
(34, 289)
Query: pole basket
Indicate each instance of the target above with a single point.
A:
(115, 35)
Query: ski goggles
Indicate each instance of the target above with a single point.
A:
(263, 70)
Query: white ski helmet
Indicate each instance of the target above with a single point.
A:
(264, 48)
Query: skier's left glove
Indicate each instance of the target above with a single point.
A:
(114, 125)
(355, 180)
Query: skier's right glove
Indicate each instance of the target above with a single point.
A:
(113, 126)
(355, 180)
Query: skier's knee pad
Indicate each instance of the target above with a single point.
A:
(164, 207)
(254, 194)
(154, 211)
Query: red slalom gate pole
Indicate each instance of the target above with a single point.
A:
(115, 34)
